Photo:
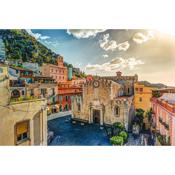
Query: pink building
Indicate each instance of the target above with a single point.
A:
(164, 116)
(58, 72)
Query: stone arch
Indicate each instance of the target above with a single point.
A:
(15, 93)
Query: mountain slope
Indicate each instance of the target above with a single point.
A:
(19, 45)
(157, 85)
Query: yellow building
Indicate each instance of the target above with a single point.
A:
(142, 96)
(22, 122)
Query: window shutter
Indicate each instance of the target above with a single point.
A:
(22, 128)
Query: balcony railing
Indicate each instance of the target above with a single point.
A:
(15, 83)
(164, 123)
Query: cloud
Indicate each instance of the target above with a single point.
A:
(141, 38)
(118, 63)
(124, 46)
(84, 33)
(105, 56)
(37, 35)
(107, 44)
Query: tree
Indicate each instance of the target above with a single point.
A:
(139, 115)
(117, 140)
(117, 128)
(149, 114)
(124, 135)
(156, 94)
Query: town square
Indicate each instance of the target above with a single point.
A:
(86, 88)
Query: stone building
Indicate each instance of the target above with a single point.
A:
(106, 100)
(58, 72)
(22, 122)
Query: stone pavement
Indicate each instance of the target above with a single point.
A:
(66, 133)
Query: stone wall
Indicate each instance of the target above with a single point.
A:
(21, 111)
(102, 96)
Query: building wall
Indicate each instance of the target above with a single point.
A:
(142, 97)
(167, 117)
(104, 98)
(21, 111)
(58, 72)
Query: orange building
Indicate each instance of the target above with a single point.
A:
(58, 72)
(66, 92)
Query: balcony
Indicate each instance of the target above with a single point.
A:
(166, 126)
(164, 123)
(160, 120)
(22, 99)
(16, 83)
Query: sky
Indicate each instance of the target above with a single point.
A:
(148, 53)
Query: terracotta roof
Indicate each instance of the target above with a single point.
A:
(20, 68)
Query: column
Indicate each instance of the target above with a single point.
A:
(31, 132)
(101, 117)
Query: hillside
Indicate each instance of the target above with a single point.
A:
(157, 85)
(19, 45)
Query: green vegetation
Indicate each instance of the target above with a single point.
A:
(119, 126)
(119, 136)
(139, 116)
(21, 46)
(124, 134)
(20, 99)
(117, 140)
(162, 140)
(156, 94)
(149, 115)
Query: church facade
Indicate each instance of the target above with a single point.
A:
(106, 100)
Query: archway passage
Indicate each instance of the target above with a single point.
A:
(96, 116)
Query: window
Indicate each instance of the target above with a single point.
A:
(32, 92)
(43, 92)
(22, 131)
(140, 99)
(141, 89)
(128, 90)
(117, 111)
(78, 106)
(136, 89)
(66, 98)
(23, 92)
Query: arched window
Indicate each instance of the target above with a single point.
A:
(116, 111)
(15, 93)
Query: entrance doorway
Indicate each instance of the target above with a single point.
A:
(96, 116)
